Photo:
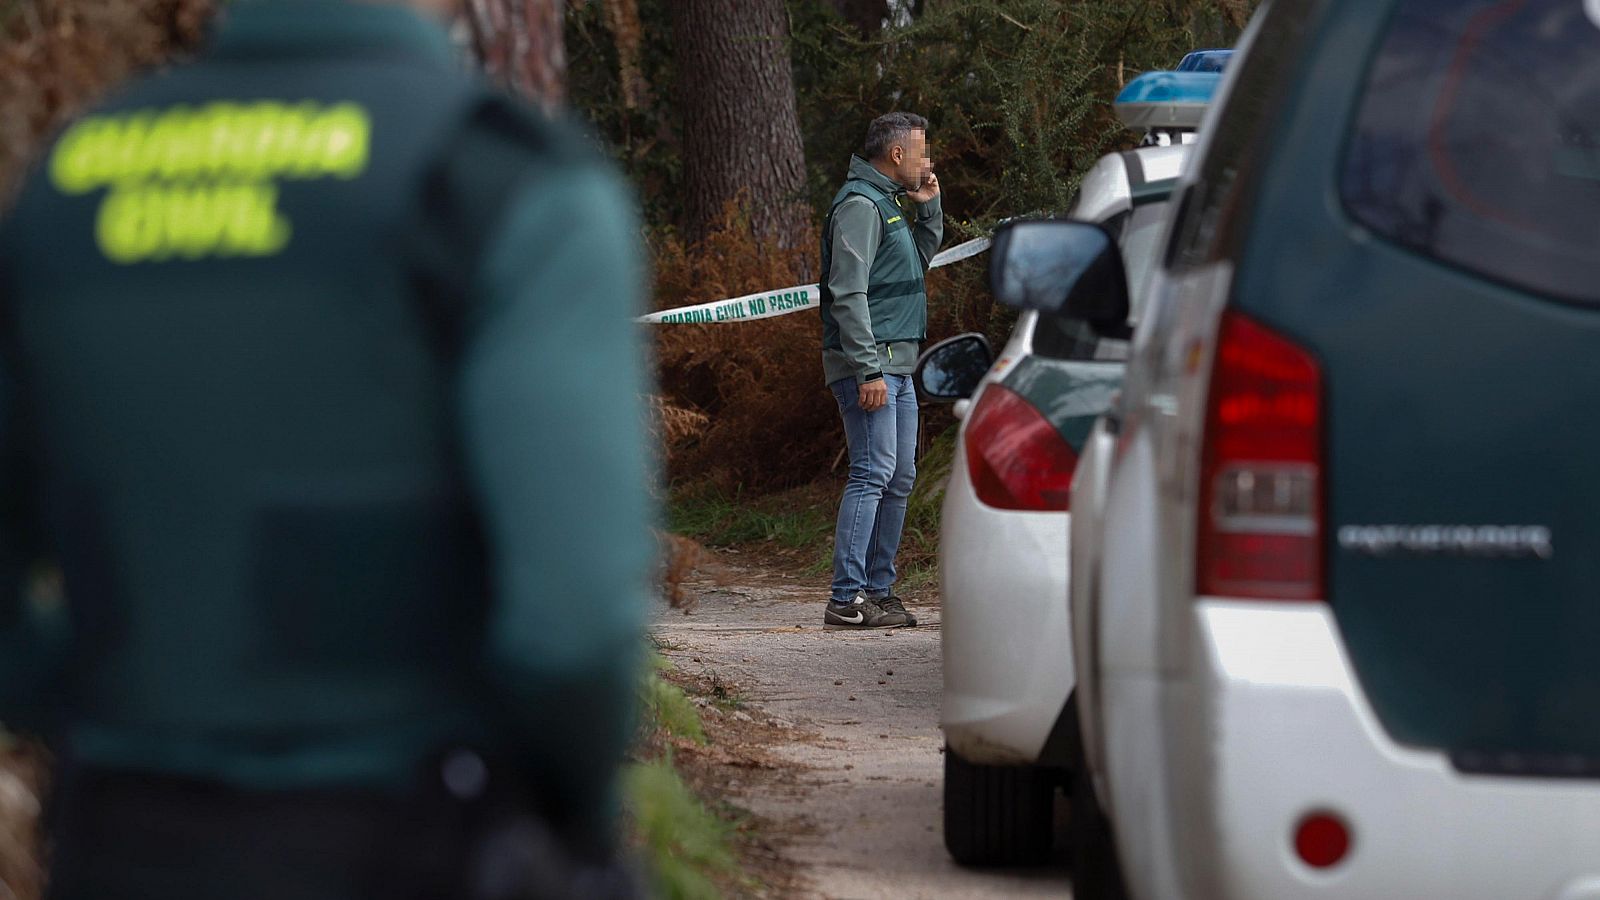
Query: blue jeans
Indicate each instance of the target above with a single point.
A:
(883, 468)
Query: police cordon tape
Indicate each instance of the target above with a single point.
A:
(783, 301)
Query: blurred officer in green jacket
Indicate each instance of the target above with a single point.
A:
(318, 382)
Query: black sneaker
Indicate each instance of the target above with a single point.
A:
(862, 613)
(892, 604)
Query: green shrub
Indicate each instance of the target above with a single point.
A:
(685, 845)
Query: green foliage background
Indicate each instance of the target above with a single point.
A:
(1017, 92)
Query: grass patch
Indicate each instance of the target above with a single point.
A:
(667, 708)
(799, 519)
(725, 694)
(688, 848)
(798, 523)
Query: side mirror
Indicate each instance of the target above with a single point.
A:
(1064, 268)
(951, 369)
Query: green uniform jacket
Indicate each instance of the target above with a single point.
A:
(321, 389)
(874, 317)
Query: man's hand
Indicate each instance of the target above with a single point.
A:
(928, 191)
(873, 395)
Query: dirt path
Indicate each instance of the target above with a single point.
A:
(859, 810)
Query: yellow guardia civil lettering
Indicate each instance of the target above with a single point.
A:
(265, 139)
(155, 223)
(190, 182)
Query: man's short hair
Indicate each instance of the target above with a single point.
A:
(888, 129)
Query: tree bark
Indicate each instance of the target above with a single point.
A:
(627, 33)
(520, 45)
(741, 132)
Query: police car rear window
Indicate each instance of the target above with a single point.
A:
(1477, 142)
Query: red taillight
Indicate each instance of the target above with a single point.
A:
(1260, 532)
(1016, 458)
(1322, 840)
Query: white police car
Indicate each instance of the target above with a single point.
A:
(1008, 671)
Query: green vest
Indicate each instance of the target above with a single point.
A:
(235, 299)
(897, 297)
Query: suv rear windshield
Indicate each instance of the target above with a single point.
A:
(1478, 140)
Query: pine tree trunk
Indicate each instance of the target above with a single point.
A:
(521, 46)
(627, 33)
(741, 133)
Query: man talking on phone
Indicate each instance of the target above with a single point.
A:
(881, 232)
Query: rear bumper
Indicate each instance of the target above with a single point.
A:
(1007, 647)
(1271, 725)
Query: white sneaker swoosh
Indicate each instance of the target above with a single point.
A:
(860, 617)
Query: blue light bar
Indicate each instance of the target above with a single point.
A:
(1205, 61)
(1167, 99)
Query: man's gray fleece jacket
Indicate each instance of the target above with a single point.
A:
(862, 215)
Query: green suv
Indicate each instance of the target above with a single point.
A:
(1337, 634)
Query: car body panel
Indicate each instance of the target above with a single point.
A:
(1490, 440)
(1281, 728)
(1008, 670)
(1217, 723)
(1005, 681)
(1084, 556)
